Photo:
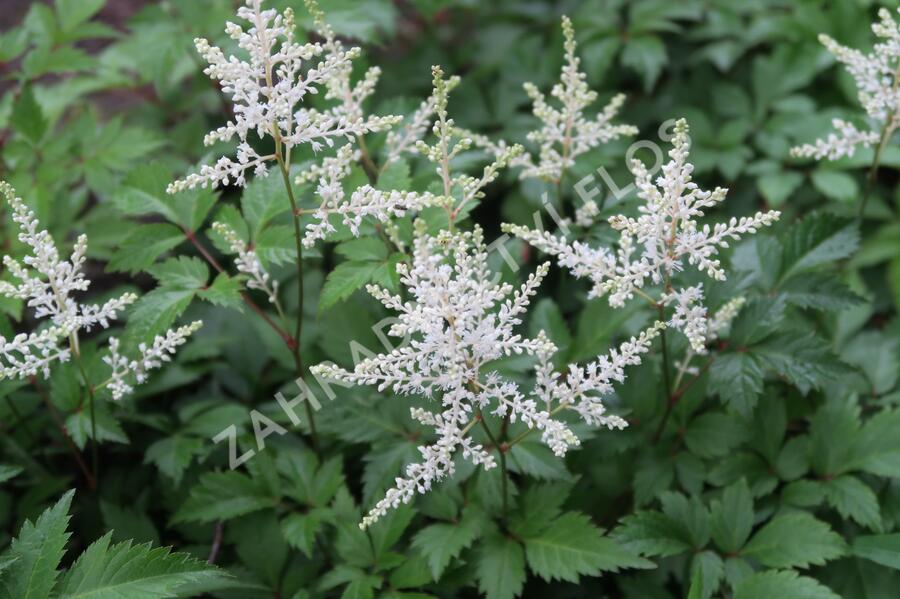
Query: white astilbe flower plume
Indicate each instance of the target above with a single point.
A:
(877, 77)
(416, 125)
(248, 263)
(566, 132)
(160, 351)
(47, 283)
(458, 320)
(364, 202)
(266, 89)
(654, 247)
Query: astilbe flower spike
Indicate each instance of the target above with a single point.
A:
(47, 283)
(877, 77)
(654, 247)
(566, 132)
(459, 319)
(267, 88)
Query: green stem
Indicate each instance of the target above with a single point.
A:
(886, 134)
(95, 453)
(670, 399)
(298, 330)
(502, 449)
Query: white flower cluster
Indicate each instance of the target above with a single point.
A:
(46, 283)
(566, 132)
(365, 201)
(416, 125)
(458, 320)
(655, 246)
(459, 190)
(266, 89)
(160, 351)
(877, 77)
(247, 262)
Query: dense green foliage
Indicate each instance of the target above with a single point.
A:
(771, 471)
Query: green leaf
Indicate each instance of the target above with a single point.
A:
(707, 571)
(222, 496)
(363, 249)
(771, 584)
(441, 543)
(344, 280)
(732, 517)
(712, 434)
(37, 551)
(737, 378)
(571, 546)
(80, 427)
(224, 291)
(263, 199)
(500, 568)
(837, 185)
(818, 239)
(795, 540)
(181, 273)
(143, 246)
(881, 549)
(804, 359)
(173, 454)
(652, 533)
(777, 187)
(72, 13)
(27, 118)
(853, 499)
(7, 472)
(143, 191)
(646, 54)
(134, 571)
(819, 291)
(300, 529)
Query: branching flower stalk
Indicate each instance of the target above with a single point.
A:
(459, 320)
(48, 285)
(267, 89)
(566, 132)
(877, 77)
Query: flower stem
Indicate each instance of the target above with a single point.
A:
(298, 330)
(670, 399)
(95, 457)
(886, 134)
(501, 449)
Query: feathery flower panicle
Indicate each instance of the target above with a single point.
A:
(247, 262)
(338, 81)
(266, 89)
(459, 190)
(877, 77)
(364, 202)
(458, 320)
(654, 247)
(566, 132)
(46, 283)
(416, 125)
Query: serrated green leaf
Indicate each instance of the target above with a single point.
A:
(173, 454)
(222, 496)
(853, 499)
(263, 199)
(773, 583)
(707, 571)
(363, 249)
(224, 291)
(732, 517)
(143, 246)
(500, 568)
(819, 291)
(72, 13)
(818, 239)
(881, 549)
(713, 434)
(8, 472)
(652, 533)
(134, 571)
(737, 378)
(37, 551)
(795, 540)
(347, 278)
(572, 547)
(441, 543)
(27, 118)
